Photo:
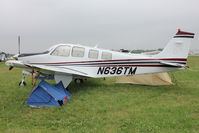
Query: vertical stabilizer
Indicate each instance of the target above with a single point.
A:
(178, 46)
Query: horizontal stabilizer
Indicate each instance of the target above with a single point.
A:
(173, 64)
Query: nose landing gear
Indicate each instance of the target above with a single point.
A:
(22, 82)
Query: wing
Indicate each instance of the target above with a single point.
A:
(60, 69)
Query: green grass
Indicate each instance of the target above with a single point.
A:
(102, 106)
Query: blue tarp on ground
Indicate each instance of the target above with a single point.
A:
(48, 95)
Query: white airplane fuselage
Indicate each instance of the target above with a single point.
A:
(66, 61)
(120, 64)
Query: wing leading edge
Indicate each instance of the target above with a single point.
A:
(59, 69)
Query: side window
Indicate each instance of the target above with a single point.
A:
(78, 52)
(63, 50)
(106, 56)
(93, 54)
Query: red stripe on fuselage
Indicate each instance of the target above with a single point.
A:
(135, 66)
(171, 59)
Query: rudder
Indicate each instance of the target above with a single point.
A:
(178, 46)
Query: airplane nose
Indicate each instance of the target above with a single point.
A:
(9, 63)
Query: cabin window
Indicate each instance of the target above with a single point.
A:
(93, 54)
(78, 52)
(106, 55)
(63, 50)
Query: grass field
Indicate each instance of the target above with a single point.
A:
(102, 106)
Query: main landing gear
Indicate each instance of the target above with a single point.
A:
(78, 80)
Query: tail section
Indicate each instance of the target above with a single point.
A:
(178, 46)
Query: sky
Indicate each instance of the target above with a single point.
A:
(111, 24)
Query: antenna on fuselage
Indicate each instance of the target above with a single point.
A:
(96, 46)
(19, 45)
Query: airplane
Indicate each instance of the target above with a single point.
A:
(73, 61)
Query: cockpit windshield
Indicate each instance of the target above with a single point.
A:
(62, 50)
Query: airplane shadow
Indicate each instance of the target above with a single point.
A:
(109, 83)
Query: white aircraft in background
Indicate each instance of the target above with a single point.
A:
(70, 61)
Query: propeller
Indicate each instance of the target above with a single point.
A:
(19, 45)
(15, 56)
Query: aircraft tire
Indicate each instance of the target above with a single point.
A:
(22, 83)
(78, 81)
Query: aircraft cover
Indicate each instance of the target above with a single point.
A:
(146, 79)
(48, 95)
